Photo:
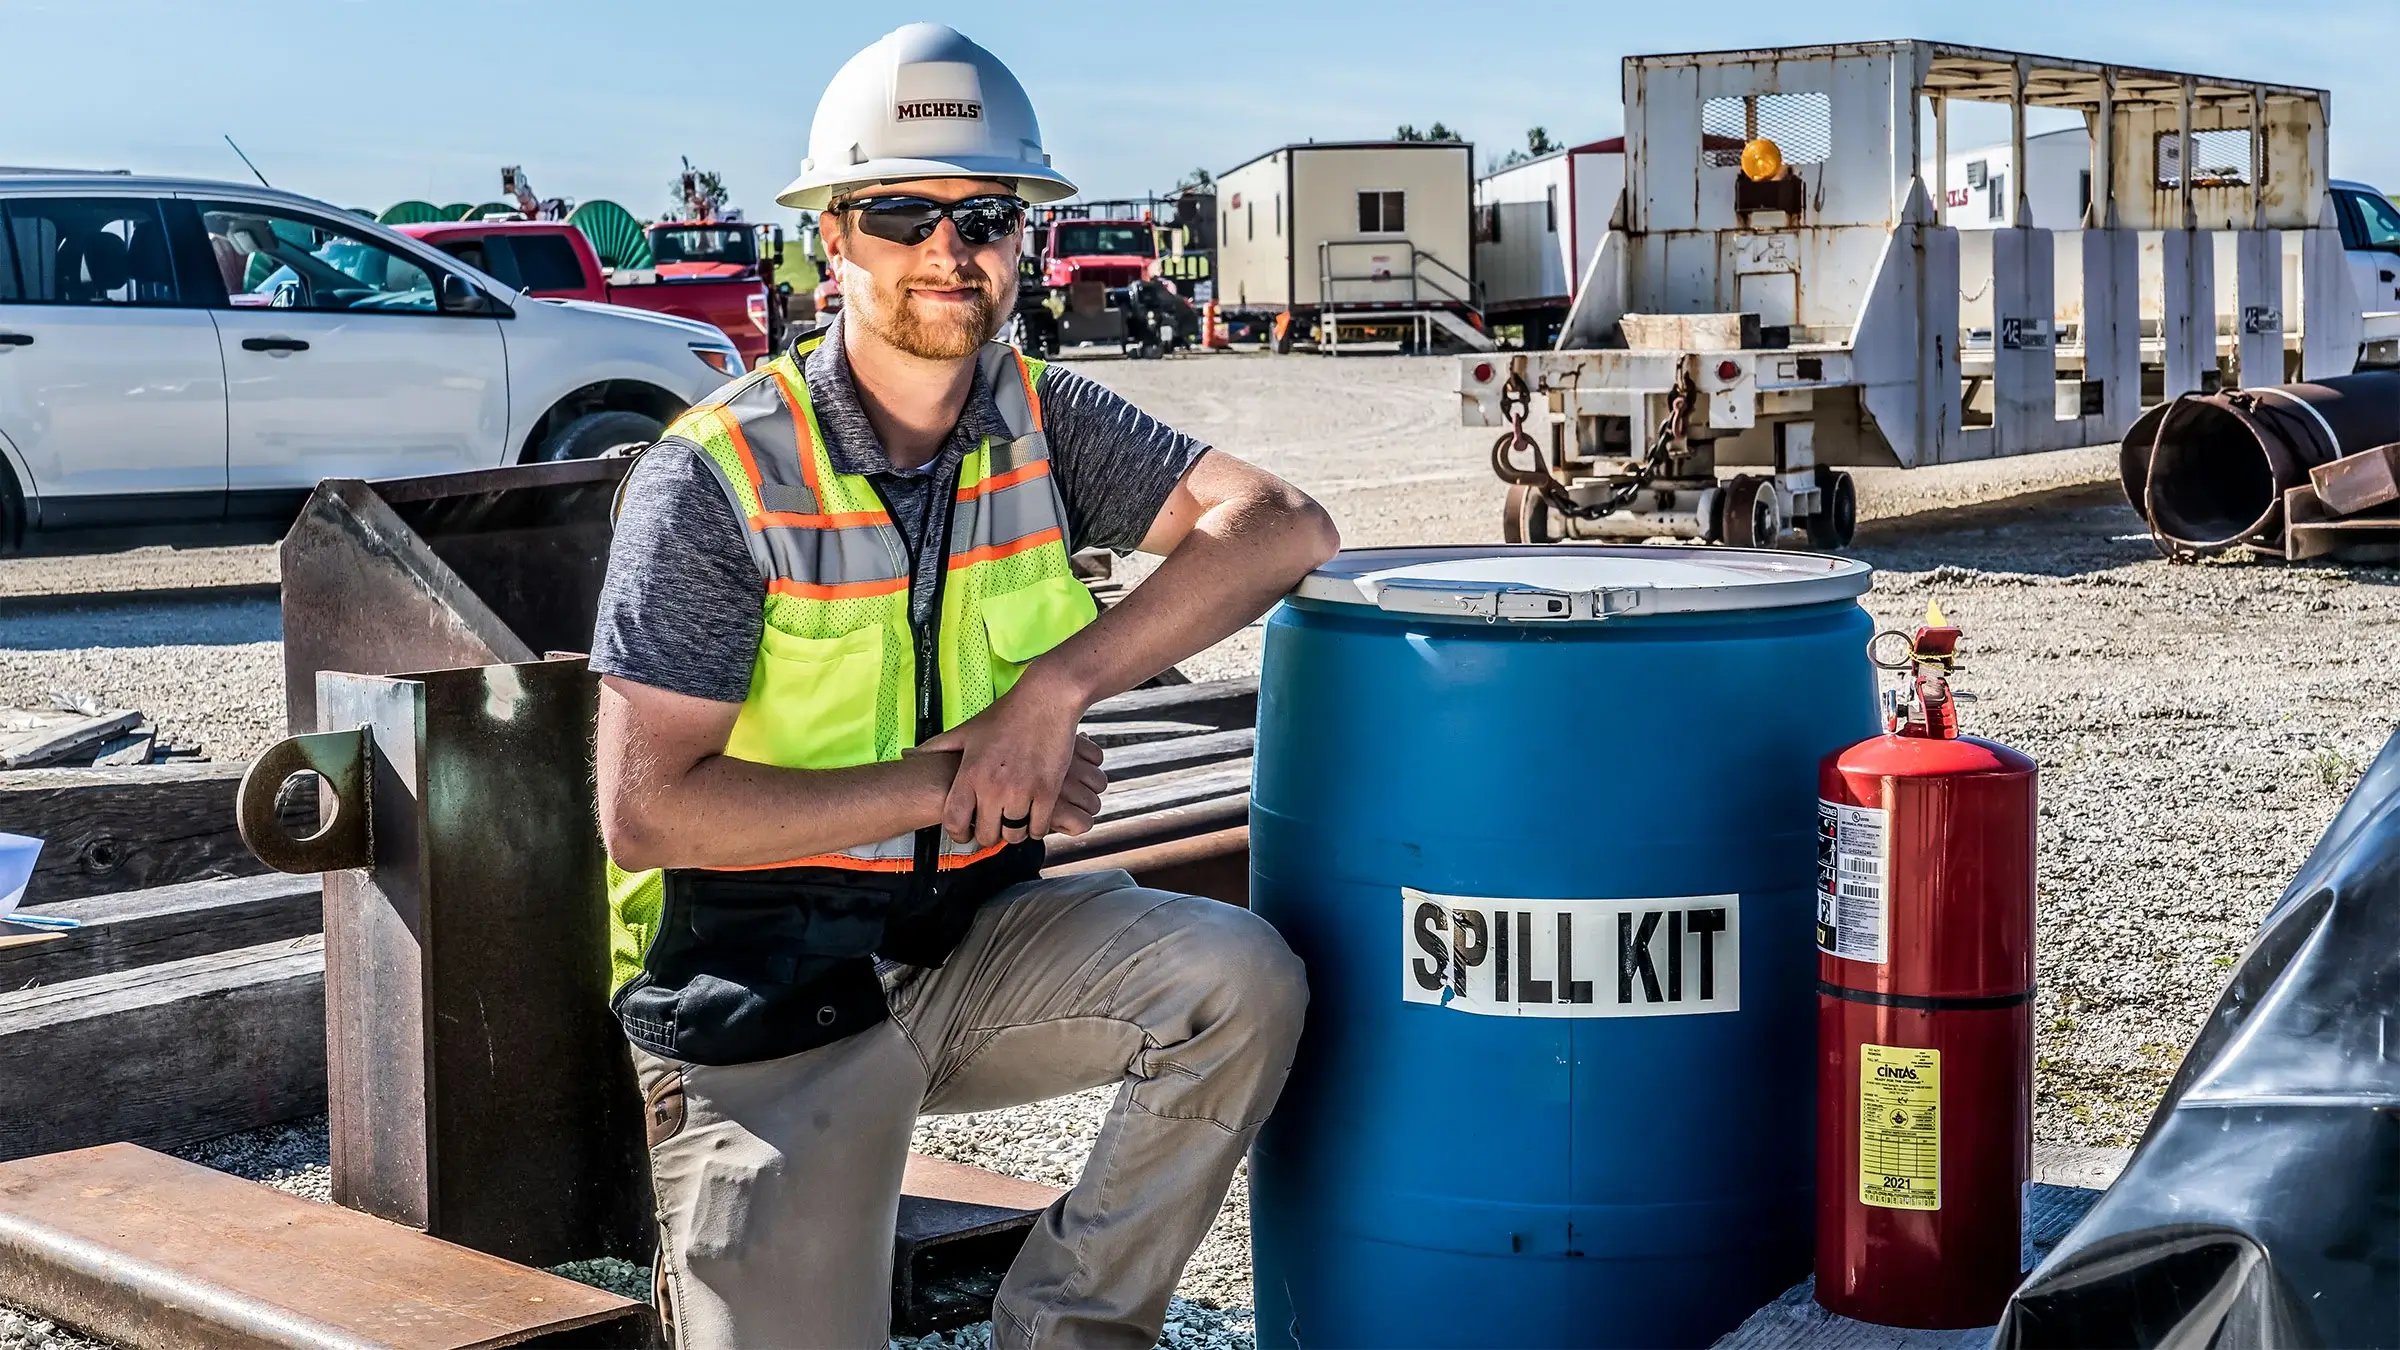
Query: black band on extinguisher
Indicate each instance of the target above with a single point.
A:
(1920, 1002)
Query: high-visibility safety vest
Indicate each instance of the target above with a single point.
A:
(731, 965)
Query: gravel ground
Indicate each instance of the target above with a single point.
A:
(2197, 726)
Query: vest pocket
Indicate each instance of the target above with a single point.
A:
(812, 701)
(1030, 620)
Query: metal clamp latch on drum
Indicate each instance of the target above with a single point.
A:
(1401, 595)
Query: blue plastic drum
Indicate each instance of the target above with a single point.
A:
(1542, 823)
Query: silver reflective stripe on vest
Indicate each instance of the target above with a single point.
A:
(832, 557)
(1004, 374)
(1010, 514)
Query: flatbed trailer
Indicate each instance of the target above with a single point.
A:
(1817, 311)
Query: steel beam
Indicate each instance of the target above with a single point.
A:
(155, 1253)
(478, 1086)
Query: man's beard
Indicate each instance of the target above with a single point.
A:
(933, 330)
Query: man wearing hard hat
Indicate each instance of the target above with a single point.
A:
(844, 660)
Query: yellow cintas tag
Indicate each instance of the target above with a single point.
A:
(1899, 1127)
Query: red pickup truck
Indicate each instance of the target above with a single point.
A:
(705, 272)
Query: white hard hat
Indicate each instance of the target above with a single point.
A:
(923, 102)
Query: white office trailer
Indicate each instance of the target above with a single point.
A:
(1536, 225)
(1817, 310)
(1354, 240)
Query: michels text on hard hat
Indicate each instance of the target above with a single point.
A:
(957, 110)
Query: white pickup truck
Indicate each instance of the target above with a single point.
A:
(182, 361)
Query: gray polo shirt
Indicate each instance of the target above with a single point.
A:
(683, 603)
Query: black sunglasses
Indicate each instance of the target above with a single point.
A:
(912, 220)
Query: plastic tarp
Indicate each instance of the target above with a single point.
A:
(2262, 1210)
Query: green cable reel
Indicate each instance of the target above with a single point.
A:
(616, 236)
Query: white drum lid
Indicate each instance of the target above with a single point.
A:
(1586, 582)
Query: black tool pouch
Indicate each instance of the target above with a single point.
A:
(757, 965)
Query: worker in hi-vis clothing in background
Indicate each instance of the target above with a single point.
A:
(844, 662)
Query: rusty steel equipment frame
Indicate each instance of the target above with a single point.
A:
(1815, 319)
(489, 567)
(478, 1086)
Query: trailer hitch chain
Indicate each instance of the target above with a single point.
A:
(1516, 401)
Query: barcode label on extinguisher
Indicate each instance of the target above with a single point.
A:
(1853, 878)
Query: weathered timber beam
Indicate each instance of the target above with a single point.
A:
(163, 923)
(1183, 752)
(1223, 704)
(165, 1055)
(124, 829)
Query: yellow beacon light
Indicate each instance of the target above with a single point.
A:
(1762, 159)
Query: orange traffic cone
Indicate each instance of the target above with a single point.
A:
(1212, 332)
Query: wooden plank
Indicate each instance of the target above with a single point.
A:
(49, 744)
(1223, 704)
(165, 1055)
(1170, 790)
(150, 1252)
(1109, 735)
(1157, 757)
(2354, 483)
(165, 923)
(127, 829)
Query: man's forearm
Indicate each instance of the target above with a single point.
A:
(1240, 557)
(727, 812)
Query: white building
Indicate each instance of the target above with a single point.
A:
(1348, 226)
(2058, 183)
(1536, 224)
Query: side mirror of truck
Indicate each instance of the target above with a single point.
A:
(457, 295)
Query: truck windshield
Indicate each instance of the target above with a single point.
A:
(702, 244)
(1084, 238)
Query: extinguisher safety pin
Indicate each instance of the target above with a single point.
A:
(1876, 648)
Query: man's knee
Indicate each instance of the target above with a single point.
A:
(1262, 983)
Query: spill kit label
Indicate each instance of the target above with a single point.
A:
(1899, 1127)
(1571, 958)
(1854, 863)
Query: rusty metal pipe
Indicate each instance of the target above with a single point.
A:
(1216, 865)
(2209, 471)
(1151, 827)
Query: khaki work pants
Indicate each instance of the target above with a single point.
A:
(779, 1182)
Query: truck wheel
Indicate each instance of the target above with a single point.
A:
(602, 433)
(1836, 522)
(1750, 512)
(1527, 519)
(12, 511)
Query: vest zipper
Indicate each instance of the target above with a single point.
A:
(927, 864)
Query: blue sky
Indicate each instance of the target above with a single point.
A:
(367, 102)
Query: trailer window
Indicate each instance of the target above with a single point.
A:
(1550, 209)
(1381, 212)
(2220, 158)
(1801, 125)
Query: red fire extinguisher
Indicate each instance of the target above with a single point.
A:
(1925, 853)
